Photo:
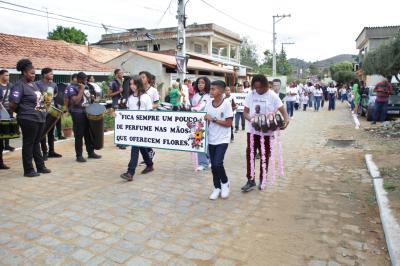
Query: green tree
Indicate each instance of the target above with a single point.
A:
(71, 35)
(342, 66)
(282, 65)
(344, 76)
(314, 70)
(385, 60)
(248, 53)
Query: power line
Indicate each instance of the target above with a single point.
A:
(165, 12)
(43, 16)
(233, 18)
(59, 15)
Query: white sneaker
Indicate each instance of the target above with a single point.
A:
(200, 168)
(215, 194)
(225, 190)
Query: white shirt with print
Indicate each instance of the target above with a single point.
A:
(292, 97)
(218, 134)
(266, 103)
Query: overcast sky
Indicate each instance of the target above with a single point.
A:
(320, 29)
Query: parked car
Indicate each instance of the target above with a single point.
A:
(368, 102)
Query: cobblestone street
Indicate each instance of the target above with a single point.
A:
(323, 212)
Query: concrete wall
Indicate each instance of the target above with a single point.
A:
(135, 63)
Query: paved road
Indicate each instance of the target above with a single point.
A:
(321, 213)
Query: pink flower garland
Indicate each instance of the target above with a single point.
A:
(273, 139)
(263, 162)
(252, 173)
(280, 154)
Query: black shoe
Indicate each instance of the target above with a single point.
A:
(9, 148)
(54, 155)
(3, 166)
(148, 169)
(122, 147)
(250, 185)
(94, 156)
(80, 159)
(45, 156)
(128, 177)
(373, 123)
(31, 174)
(236, 130)
(61, 137)
(44, 170)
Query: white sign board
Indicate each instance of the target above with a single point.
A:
(239, 100)
(183, 131)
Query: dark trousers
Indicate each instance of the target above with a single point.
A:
(58, 128)
(6, 142)
(81, 131)
(232, 135)
(50, 140)
(257, 146)
(31, 135)
(217, 154)
(332, 100)
(380, 111)
(133, 162)
(175, 108)
(305, 106)
(239, 116)
(290, 107)
(1, 151)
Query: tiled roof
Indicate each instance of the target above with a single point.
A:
(99, 54)
(380, 32)
(170, 61)
(58, 55)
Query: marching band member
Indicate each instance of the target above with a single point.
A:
(115, 91)
(78, 97)
(5, 87)
(46, 85)
(138, 100)
(28, 102)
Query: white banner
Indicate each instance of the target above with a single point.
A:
(182, 131)
(239, 100)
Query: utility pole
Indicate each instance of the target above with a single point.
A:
(275, 19)
(181, 41)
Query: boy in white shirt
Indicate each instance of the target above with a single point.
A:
(219, 116)
(304, 101)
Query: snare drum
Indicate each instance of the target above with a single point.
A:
(9, 129)
(53, 115)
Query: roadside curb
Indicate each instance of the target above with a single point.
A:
(390, 226)
(61, 141)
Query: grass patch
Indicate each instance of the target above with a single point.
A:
(390, 172)
(389, 186)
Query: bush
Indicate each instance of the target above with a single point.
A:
(108, 120)
(66, 121)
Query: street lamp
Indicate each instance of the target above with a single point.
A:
(275, 19)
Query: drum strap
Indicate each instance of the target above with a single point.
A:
(5, 94)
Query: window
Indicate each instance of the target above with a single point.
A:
(141, 47)
(198, 48)
(215, 50)
(156, 47)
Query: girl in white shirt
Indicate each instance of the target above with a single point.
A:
(138, 100)
(199, 102)
(317, 97)
(219, 116)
